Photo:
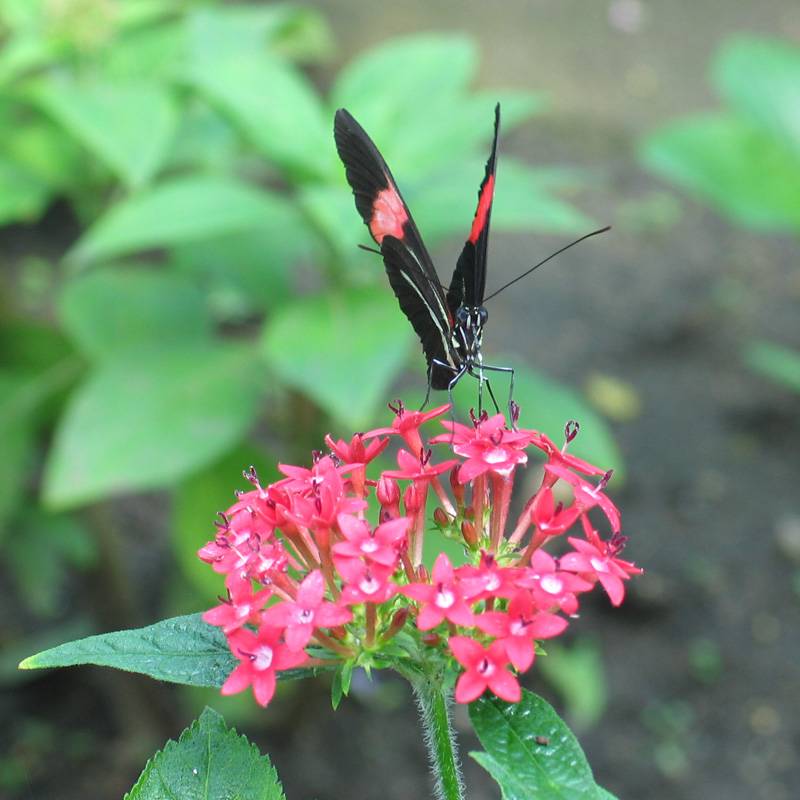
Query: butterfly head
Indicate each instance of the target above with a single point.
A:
(468, 331)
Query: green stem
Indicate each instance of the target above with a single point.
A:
(434, 706)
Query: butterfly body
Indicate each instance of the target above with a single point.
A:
(449, 323)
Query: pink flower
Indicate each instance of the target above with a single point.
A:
(442, 598)
(487, 445)
(417, 468)
(241, 606)
(354, 451)
(484, 668)
(261, 655)
(550, 518)
(559, 456)
(407, 424)
(601, 562)
(307, 612)
(550, 586)
(587, 495)
(518, 627)
(365, 583)
(379, 546)
(488, 579)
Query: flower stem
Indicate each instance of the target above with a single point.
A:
(434, 707)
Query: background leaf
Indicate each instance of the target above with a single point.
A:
(775, 362)
(181, 210)
(523, 768)
(111, 311)
(126, 125)
(342, 349)
(744, 172)
(760, 79)
(150, 419)
(211, 762)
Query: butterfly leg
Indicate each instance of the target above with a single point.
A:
(510, 372)
(450, 386)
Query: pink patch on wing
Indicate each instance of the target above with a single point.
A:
(484, 204)
(388, 215)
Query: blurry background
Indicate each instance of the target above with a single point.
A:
(178, 251)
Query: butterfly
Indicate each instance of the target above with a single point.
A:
(449, 322)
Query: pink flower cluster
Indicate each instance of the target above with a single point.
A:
(311, 582)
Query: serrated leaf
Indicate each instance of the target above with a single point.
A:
(556, 769)
(274, 106)
(342, 349)
(179, 650)
(127, 125)
(208, 762)
(743, 171)
(547, 406)
(180, 210)
(149, 419)
(442, 64)
(111, 311)
(778, 363)
(760, 78)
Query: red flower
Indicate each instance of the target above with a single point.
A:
(407, 424)
(550, 518)
(261, 656)
(488, 579)
(442, 598)
(420, 468)
(587, 495)
(550, 586)
(601, 562)
(240, 607)
(487, 445)
(354, 451)
(379, 546)
(519, 627)
(365, 583)
(307, 612)
(483, 668)
(560, 457)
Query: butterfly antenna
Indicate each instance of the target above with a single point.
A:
(536, 266)
(369, 249)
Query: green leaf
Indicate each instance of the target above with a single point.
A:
(343, 350)
(59, 542)
(181, 210)
(276, 108)
(547, 406)
(23, 195)
(423, 70)
(211, 762)
(149, 419)
(196, 502)
(556, 769)
(760, 78)
(110, 311)
(179, 650)
(128, 125)
(578, 675)
(775, 362)
(744, 172)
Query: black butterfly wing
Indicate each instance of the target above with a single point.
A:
(468, 284)
(408, 265)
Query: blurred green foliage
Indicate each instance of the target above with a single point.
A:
(208, 282)
(744, 159)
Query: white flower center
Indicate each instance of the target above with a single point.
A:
(598, 564)
(369, 546)
(305, 616)
(551, 584)
(369, 585)
(486, 667)
(495, 456)
(445, 598)
(263, 657)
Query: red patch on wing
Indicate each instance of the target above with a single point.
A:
(388, 215)
(484, 204)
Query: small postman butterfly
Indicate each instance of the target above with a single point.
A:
(448, 322)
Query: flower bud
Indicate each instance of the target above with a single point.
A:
(440, 518)
(469, 534)
(458, 488)
(398, 621)
(412, 500)
(431, 639)
(388, 492)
